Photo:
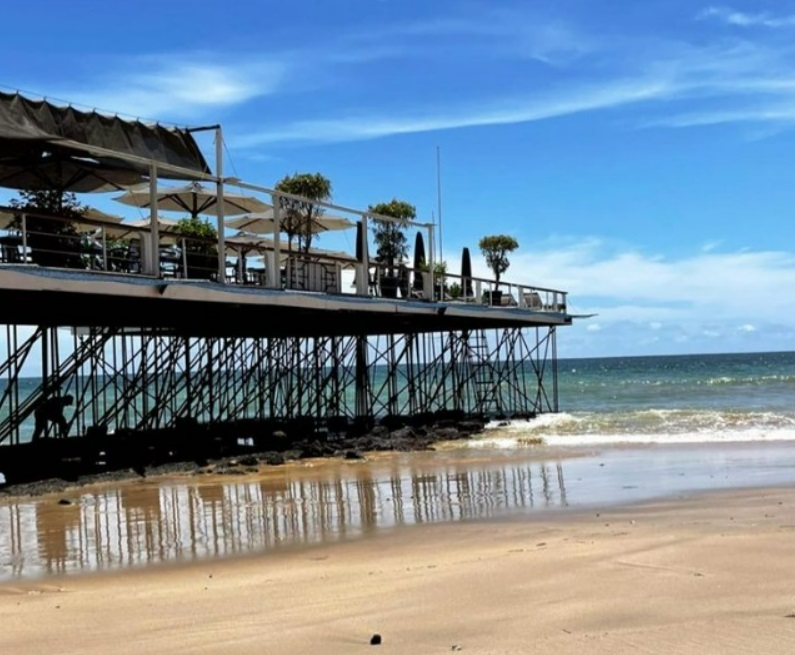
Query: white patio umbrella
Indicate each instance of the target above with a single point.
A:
(251, 245)
(91, 213)
(262, 223)
(97, 216)
(129, 229)
(193, 199)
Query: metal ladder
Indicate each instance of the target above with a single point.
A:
(484, 377)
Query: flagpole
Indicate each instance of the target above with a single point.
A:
(439, 197)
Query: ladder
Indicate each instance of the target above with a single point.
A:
(484, 375)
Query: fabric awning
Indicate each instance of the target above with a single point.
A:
(44, 146)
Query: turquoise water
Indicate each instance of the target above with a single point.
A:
(671, 399)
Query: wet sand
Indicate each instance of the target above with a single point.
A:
(700, 572)
(710, 574)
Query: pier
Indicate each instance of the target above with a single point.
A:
(167, 355)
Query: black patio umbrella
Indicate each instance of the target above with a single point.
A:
(466, 274)
(64, 171)
(419, 262)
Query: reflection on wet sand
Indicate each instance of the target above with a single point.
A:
(150, 522)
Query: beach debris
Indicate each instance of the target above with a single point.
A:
(789, 616)
(456, 647)
(375, 640)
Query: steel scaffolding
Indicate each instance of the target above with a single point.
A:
(150, 378)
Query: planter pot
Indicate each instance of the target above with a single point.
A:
(492, 298)
(389, 286)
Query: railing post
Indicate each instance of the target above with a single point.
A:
(25, 238)
(184, 259)
(219, 203)
(104, 250)
(273, 271)
(152, 265)
(428, 290)
(363, 277)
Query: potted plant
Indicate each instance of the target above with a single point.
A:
(52, 241)
(201, 251)
(300, 216)
(495, 249)
(390, 242)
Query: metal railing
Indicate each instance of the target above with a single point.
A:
(38, 239)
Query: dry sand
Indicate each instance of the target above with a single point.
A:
(708, 574)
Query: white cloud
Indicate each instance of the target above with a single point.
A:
(705, 302)
(743, 19)
(177, 87)
(504, 113)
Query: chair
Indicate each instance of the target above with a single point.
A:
(507, 300)
(532, 300)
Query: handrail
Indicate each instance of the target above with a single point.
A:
(184, 257)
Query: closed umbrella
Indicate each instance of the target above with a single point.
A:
(466, 274)
(419, 262)
(194, 199)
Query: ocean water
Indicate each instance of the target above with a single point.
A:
(631, 430)
(747, 397)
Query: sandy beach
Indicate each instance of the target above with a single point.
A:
(705, 573)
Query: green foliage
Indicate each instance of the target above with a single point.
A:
(201, 246)
(455, 290)
(390, 237)
(300, 215)
(52, 241)
(495, 249)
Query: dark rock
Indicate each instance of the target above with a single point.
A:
(273, 459)
(471, 427)
(375, 640)
(353, 454)
(65, 501)
(379, 431)
(405, 432)
(446, 434)
(249, 460)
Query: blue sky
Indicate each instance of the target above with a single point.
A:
(641, 153)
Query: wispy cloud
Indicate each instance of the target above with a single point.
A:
(684, 85)
(177, 87)
(743, 19)
(503, 31)
(507, 112)
(782, 115)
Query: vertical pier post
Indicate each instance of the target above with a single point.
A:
(362, 404)
(219, 171)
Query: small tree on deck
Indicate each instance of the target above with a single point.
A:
(52, 241)
(301, 215)
(201, 250)
(495, 249)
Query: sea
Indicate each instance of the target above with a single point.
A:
(630, 429)
(675, 399)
